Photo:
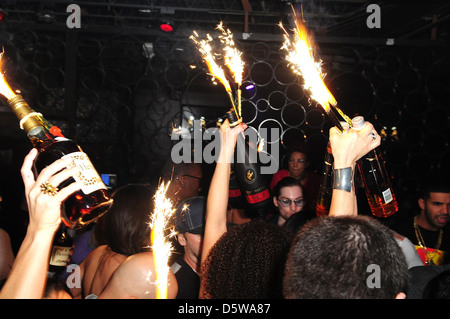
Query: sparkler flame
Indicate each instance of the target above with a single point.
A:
(161, 248)
(261, 145)
(300, 55)
(232, 60)
(5, 89)
(205, 49)
(232, 55)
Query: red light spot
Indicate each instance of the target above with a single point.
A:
(79, 197)
(2, 16)
(166, 27)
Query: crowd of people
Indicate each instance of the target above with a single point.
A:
(291, 253)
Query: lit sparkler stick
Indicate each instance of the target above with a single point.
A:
(205, 49)
(5, 89)
(300, 54)
(161, 248)
(233, 61)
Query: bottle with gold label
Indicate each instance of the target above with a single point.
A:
(61, 249)
(93, 199)
(247, 170)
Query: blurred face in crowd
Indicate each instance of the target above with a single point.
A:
(297, 164)
(435, 211)
(192, 244)
(289, 202)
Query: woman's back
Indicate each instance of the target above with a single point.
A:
(98, 268)
(127, 232)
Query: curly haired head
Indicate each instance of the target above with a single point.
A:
(247, 262)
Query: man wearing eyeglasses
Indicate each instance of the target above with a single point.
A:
(186, 181)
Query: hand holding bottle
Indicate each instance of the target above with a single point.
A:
(349, 147)
(228, 140)
(28, 275)
(44, 206)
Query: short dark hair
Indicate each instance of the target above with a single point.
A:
(330, 256)
(433, 185)
(287, 182)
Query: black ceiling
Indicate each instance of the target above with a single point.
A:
(330, 20)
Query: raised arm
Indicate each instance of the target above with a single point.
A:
(29, 273)
(348, 148)
(217, 203)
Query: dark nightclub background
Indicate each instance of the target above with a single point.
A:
(119, 84)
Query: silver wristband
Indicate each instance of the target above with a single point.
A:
(343, 179)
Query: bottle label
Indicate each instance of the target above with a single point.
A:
(60, 255)
(387, 196)
(88, 175)
(258, 197)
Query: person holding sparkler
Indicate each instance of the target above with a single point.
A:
(247, 260)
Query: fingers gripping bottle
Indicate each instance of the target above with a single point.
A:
(377, 184)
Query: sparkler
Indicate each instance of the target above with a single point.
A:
(5, 89)
(232, 61)
(161, 248)
(300, 55)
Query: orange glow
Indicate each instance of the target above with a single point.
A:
(161, 248)
(205, 49)
(5, 89)
(209, 57)
(300, 55)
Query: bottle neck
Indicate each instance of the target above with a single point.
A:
(38, 129)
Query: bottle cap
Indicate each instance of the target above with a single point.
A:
(358, 122)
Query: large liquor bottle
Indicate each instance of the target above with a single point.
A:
(93, 199)
(247, 170)
(377, 184)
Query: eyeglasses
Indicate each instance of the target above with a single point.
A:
(288, 202)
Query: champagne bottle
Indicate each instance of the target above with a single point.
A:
(235, 197)
(377, 185)
(326, 184)
(62, 246)
(251, 182)
(92, 200)
(326, 180)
